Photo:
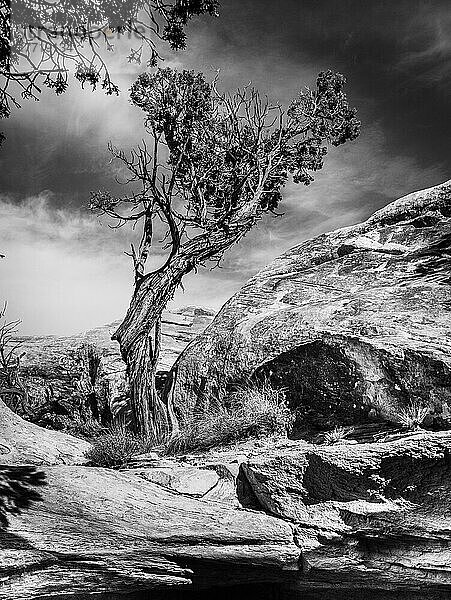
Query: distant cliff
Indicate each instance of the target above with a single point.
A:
(84, 373)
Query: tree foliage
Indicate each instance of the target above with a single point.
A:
(42, 41)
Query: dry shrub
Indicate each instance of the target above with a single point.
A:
(116, 447)
(252, 411)
(412, 416)
(337, 435)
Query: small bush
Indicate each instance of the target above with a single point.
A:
(412, 416)
(338, 434)
(252, 411)
(116, 448)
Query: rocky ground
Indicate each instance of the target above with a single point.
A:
(301, 517)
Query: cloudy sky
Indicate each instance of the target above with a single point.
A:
(65, 271)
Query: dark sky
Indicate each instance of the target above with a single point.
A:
(66, 272)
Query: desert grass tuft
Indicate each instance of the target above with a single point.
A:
(116, 447)
(337, 435)
(253, 410)
(413, 415)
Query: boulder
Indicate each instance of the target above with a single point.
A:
(80, 376)
(355, 323)
(371, 515)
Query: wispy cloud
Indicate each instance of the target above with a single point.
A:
(428, 46)
(63, 270)
(37, 221)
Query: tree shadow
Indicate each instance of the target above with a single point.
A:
(18, 490)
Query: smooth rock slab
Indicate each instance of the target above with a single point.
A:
(184, 480)
(95, 530)
(215, 482)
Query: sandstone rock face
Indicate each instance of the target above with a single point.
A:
(85, 372)
(366, 514)
(355, 323)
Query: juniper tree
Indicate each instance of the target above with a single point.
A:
(211, 166)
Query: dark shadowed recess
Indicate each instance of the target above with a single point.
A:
(321, 382)
(325, 386)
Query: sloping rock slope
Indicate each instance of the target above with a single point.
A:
(85, 373)
(355, 323)
(69, 530)
(22, 442)
(95, 531)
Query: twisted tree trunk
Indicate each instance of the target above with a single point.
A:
(149, 413)
(139, 333)
(139, 338)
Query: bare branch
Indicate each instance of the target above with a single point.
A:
(12, 390)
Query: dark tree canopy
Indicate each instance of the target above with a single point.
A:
(212, 165)
(41, 41)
